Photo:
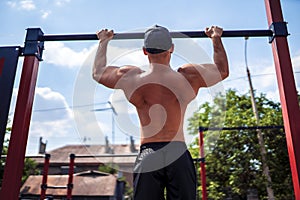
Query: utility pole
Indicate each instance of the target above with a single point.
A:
(112, 108)
(261, 142)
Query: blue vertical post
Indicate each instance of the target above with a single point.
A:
(8, 65)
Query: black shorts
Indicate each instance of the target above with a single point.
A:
(164, 165)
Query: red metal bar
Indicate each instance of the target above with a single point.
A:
(288, 93)
(17, 146)
(71, 172)
(202, 165)
(45, 176)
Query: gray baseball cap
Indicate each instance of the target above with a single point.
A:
(157, 39)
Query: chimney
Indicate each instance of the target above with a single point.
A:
(42, 146)
(132, 145)
(108, 149)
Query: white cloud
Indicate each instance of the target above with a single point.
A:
(45, 13)
(30, 5)
(51, 114)
(58, 54)
(52, 103)
(52, 118)
(27, 5)
(12, 4)
(61, 2)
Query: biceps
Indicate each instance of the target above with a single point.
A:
(119, 77)
(202, 75)
(210, 75)
(110, 76)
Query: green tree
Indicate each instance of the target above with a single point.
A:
(233, 161)
(30, 166)
(110, 168)
(113, 168)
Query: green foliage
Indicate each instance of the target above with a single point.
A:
(2, 160)
(30, 166)
(110, 168)
(233, 158)
(128, 190)
(113, 168)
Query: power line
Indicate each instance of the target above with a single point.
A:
(68, 107)
(256, 75)
(65, 107)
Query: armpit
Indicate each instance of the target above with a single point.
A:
(189, 71)
(193, 75)
(123, 70)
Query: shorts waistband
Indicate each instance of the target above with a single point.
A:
(159, 145)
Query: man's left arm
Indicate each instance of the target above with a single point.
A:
(220, 57)
(206, 75)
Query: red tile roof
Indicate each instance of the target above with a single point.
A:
(96, 154)
(87, 184)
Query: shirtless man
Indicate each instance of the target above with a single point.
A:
(161, 96)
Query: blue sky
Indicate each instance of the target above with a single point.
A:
(65, 93)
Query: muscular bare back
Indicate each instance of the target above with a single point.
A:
(160, 96)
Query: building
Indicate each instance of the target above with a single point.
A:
(88, 185)
(88, 158)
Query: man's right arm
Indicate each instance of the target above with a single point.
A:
(109, 76)
(101, 72)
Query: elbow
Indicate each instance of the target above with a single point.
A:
(225, 71)
(96, 76)
(97, 73)
(224, 75)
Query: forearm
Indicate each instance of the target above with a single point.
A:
(100, 60)
(220, 57)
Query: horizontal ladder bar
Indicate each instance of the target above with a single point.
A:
(57, 187)
(106, 155)
(183, 34)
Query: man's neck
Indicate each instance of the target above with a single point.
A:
(160, 66)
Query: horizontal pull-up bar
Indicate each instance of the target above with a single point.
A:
(238, 128)
(35, 38)
(183, 34)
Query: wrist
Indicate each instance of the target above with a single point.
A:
(216, 39)
(104, 41)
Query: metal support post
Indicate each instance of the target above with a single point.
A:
(287, 91)
(202, 164)
(45, 176)
(17, 146)
(70, 180)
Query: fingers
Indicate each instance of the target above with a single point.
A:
(105, 34)
(213, 28)
(213, 31)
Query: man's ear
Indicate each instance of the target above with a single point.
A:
(145, 52)
(172, 49)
